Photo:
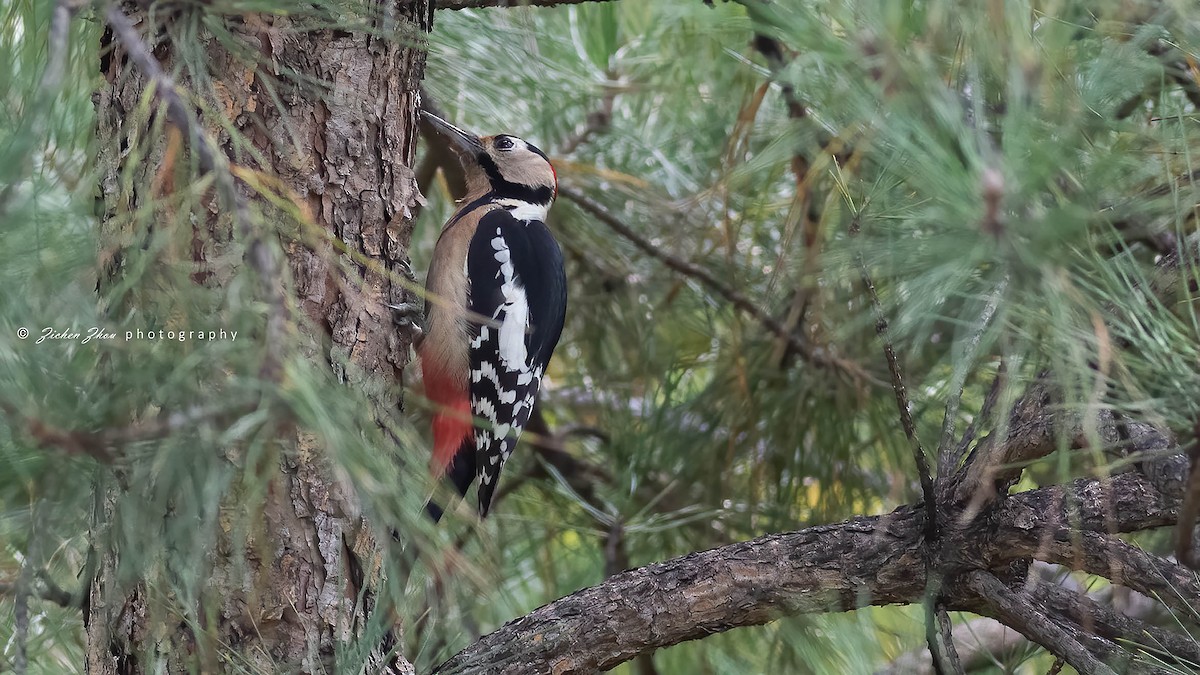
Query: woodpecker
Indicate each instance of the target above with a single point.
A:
(496, 302)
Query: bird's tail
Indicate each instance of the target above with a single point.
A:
(453, 446)
(461, 473)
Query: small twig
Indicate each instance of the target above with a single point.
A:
(902, 403)
(1056, 667)
(21, 618)
(48, 591)
(100, 444)
(58, 47)
(985, 412)
(596, 122)
(814, 355)
(964, 355)
(979, 641)
(1024, 614)
(949, 652)
(933, 576)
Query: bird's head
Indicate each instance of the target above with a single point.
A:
(507, 166)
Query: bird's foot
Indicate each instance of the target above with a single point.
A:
(409, 316)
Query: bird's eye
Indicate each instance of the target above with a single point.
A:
(504, 143)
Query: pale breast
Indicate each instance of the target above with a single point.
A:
(447, 332)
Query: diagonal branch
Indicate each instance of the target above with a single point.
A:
(1113, 625)
(966, 353)
(816, 356)
(47, 590)
(1095, 552)
(902, 403)
(819, 569)
(937, 622)
(1029, 617)
(100, 444)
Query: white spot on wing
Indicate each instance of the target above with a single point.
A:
(515, 310)
(484, 408)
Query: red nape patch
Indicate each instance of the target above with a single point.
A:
(555, 174)
(451, 419)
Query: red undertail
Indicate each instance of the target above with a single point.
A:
(451, 419)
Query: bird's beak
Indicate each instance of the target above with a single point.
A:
(460, 140)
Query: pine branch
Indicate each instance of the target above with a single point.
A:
(878, 559)
(1096, 552)
(937, 628)
(1024, 613)
(48, 591)
(58, 45)
(979, 642)
(57, 49)
(1113, 625)
(966, 354)
(1185, 549)
(903, 405)
(816, 355)
(101, 444)
(596, 122)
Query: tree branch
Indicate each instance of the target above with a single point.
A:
(1113, 625)
(937, 624)
(978, 642)
(1026, 615)
(47, 590)
(100, 444)
(1097, 553)
(816, 356)
(997, 461)
(876, 560)
(827, 568)
(902, 403)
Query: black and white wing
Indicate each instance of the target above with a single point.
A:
(517, 281)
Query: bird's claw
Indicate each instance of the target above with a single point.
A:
(409, 316)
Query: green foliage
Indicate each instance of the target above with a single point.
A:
(1021, 155)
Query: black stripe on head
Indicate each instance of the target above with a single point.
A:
(542, 194)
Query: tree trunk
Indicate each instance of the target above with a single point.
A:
(344, 154)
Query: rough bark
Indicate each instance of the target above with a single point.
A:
(819, 569)
(344, 154)
(832, 568)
